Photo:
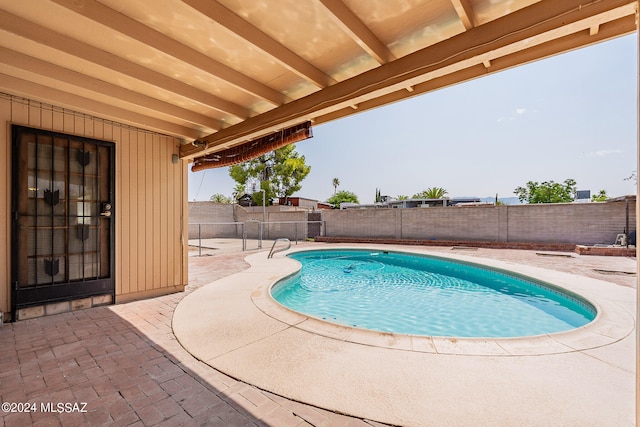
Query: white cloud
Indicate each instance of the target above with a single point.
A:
(512, 116)
(602, 153)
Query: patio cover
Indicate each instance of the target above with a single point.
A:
(225, 72)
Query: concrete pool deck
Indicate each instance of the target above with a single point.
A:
(584, 377)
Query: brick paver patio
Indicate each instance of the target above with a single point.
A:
(125, 364)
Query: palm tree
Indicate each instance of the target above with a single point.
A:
(219, 198)
(336, 183)
(431, 193)
(238, 191)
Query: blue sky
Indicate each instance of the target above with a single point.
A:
(569, 116)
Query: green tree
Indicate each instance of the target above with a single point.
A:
(547, 192)
(342, 197)
(279, 173)
(378, 196)
(220, 198)
(431, 193)
(336, 183)
(600, 197)
(238, 191)
(402, 197)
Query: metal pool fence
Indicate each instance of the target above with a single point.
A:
(200, 233)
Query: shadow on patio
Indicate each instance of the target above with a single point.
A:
(124, 362)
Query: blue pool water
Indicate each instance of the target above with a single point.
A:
(420, 295)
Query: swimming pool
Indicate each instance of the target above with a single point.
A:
(426, 295)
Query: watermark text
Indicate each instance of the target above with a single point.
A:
(55, 407)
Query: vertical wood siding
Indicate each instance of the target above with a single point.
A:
(151, 198)
(5, 208)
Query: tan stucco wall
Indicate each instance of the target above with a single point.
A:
(150, 203)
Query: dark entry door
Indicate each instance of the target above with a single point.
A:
(63, 223)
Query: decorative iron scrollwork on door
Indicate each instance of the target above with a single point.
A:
(52, 197)
(83, 157)
(52, 266)
(83, 232)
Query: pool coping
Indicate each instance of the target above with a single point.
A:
(609, 326)
(235, 326)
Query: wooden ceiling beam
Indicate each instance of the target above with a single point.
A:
(58, 97)
(49, 70)
(130, 27)
(465, 13)
(243, 29)
(49, 38)
(358, 31)
(508, 34)
(573, 41)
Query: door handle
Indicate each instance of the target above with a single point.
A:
(106, 210)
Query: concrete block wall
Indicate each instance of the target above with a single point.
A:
(575, 223)
(289, 224)
(451, 223)
(579, 223)
(378, 223)
(206, 213)
(203, 212)
(279, 219)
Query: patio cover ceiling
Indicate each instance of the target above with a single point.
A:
(228, 71)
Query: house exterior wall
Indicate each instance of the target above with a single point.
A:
(298, 201)
(150, 199)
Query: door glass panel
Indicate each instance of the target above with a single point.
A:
(46, 271)
(46, 241)
(83, 266)
(76, 186)
(84, 239)
(39, 181)
(82, 158)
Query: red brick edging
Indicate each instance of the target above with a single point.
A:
(563, 247)
(605, 251)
